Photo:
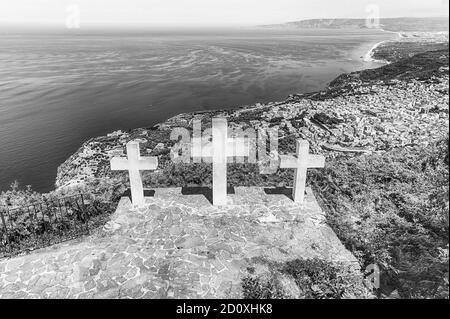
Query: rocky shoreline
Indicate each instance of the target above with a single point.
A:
(403, 104)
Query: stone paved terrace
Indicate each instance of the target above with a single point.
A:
(179, 246)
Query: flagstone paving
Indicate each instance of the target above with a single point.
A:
(178, 246)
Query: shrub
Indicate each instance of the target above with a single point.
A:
(314, 278)
(257, 288)
(392, 209)
(35, 220)
(18, 196)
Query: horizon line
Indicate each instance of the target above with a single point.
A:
(126, 24)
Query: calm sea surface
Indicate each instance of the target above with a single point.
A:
(58, 90)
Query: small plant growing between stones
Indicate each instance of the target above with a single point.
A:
(313, 278)
(257, 288)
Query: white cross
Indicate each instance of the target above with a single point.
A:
(219, 151)
(301, 162)
(134, 163)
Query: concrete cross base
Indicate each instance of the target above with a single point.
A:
(241, 198)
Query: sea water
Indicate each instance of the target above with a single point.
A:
(59, 89)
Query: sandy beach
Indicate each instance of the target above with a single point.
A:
(368, 57)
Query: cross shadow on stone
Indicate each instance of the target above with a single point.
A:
(218, 151)
(280, 191)
(205, 191)
(147, 193)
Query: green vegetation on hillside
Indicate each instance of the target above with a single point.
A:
(422, 66)
(304, 279)
(33, 220)
(392, 209)
(396, 51)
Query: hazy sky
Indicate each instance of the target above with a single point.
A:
(206, 12)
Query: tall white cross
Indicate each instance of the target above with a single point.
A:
(301, 162)
(134, 163)
(219, 151)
